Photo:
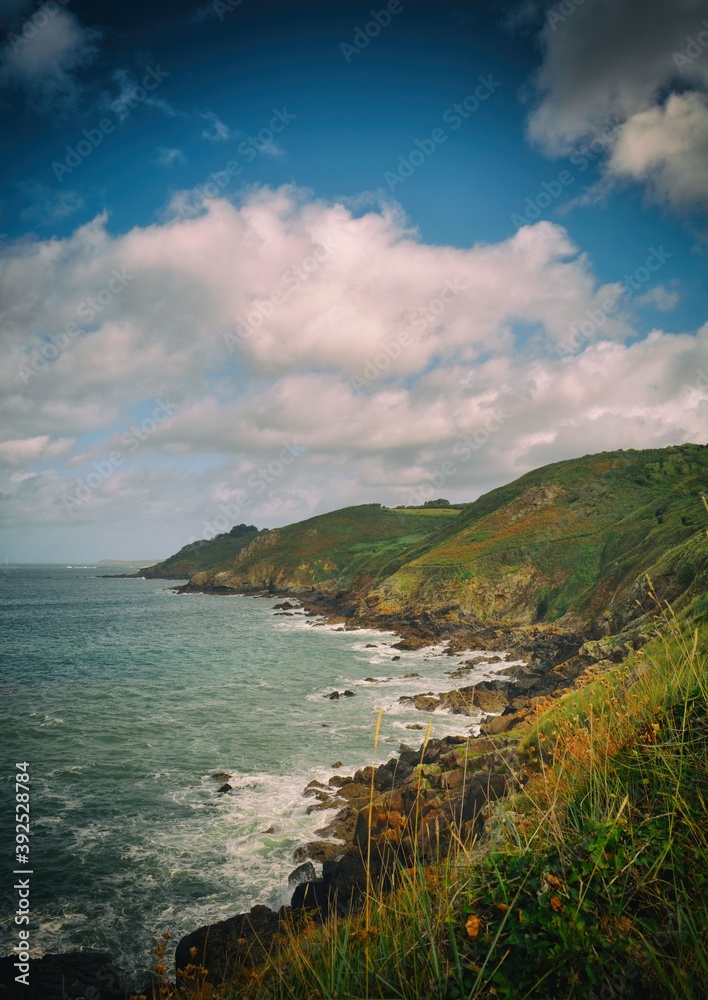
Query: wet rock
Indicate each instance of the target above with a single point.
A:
(337, 763)
(321, 806)
(348, 694)
(224, 947)
(334, 696)
(395, 657)
(413, 674)
(284, 606)
(303, 873)
(415, 725)
(370, 645)
(219, 776)
(319, 850)
(224, 789)
(313, 895)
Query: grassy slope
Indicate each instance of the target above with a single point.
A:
(346, 548)
(569, 539)
(593, 884)
(572, 536)
(199, 556)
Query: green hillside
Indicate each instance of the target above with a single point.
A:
(346, 549)
(202, 555)
(564, 544)
(565, 541)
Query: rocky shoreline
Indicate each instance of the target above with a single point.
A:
(412, 805)
(406, 808)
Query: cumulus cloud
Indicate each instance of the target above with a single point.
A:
(45, 53)
(287, 322)
(667, 148)
(623, 63)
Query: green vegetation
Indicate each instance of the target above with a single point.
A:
(201, 555)
(562, 545)
(592, 882)
(347, 548)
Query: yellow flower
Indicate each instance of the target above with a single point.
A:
(472, 926)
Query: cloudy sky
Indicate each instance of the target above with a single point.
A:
(261, 260)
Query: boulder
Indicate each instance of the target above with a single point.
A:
(224, 789)
(224, 947)
(303, 873)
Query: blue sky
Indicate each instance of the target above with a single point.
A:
(230, 210)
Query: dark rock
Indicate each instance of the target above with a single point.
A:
(222, 948)
(414, 725)
(220, 776)
(412, 675)
(314, 784)
(224, 788)
(303, 873)
(348, 694)
(313, 895)
(370, 645)
(395, 657)
(284, 606)
(337, 763)
(319, 850)
(334, 696)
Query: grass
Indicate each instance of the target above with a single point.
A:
(591, 883)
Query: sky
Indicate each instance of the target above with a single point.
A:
(263, 260)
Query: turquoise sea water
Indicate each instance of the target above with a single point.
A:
(125, 698)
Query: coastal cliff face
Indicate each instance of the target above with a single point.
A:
(565, 546)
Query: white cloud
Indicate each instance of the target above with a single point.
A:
(663, 298)
(24, 450)
(617, 63)
(444, 342)
(667, 148)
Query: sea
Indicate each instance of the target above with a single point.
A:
(125, 698)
